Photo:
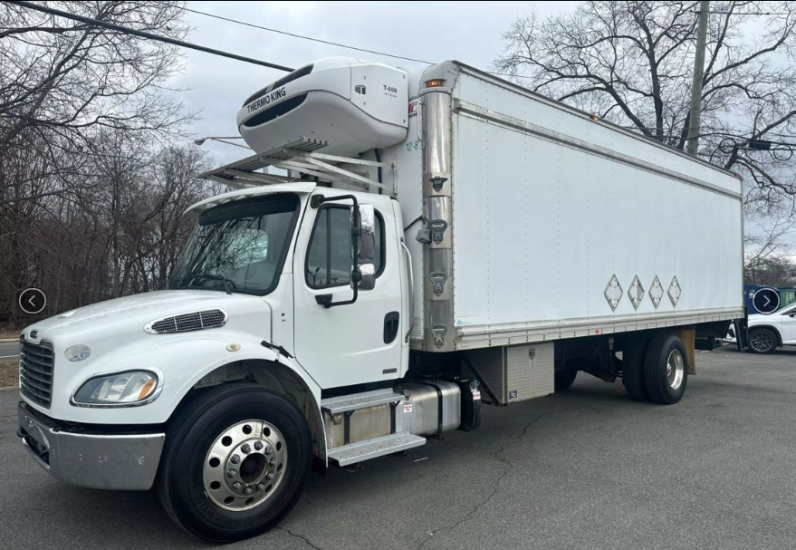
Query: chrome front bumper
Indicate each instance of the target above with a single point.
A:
(127, 461)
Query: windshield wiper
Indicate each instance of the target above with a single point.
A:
(229, 284)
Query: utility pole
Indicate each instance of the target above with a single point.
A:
(692, 144)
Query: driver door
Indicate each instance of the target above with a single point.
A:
(353, 343)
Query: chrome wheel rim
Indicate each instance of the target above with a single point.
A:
(245, 465)
(761, 340)
(675, 369)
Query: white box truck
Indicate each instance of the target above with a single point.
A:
(400, 248)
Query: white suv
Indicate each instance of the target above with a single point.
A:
(768, 332)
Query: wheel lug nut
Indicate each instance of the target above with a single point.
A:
(235, 459)
(248, 490)
(237, 485)
(258, 445)
(260, 487)
(268, 450)
(246, 449)
(269, 476)
(271, 463)
(231, 473)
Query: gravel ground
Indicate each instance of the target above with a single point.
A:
(9, 372)
(585, 469)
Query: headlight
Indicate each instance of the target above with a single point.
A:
(77, 353)
(124, 389)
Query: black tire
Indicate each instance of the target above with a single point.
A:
(190, 436)
(662, 386)
(762, 340)
(564, 379)
(633, 368)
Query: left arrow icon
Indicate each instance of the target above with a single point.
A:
(32, 301)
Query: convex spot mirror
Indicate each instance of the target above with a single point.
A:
(363, 249)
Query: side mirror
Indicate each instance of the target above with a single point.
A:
(363, 247)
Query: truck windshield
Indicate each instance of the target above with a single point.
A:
(239, 247)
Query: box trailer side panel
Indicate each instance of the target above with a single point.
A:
(564, 227)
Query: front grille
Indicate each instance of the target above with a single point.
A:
(212, 318)
(36, 363)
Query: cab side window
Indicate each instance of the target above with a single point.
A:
(329, 260)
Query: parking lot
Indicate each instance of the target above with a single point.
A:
(583, 469)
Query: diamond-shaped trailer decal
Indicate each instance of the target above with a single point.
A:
(613, 292)
(675, 291)
(656, 292)
(635, 292)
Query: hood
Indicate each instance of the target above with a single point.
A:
(111, 320)
(114, 333)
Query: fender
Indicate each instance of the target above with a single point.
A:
(251, 349)
(183, 359)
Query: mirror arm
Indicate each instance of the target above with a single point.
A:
(326, 300)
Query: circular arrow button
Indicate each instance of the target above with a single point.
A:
(766, 301)
(32, 301)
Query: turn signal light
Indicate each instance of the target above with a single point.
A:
(435, 83)
(146, 390)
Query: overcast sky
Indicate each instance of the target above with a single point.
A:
(435, 31)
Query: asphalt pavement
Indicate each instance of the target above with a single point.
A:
(9, 350)
(585, 469)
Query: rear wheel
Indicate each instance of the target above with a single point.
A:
(762, 340)
(666, 369)
(564, 379)
(633, 369)
(235, 462)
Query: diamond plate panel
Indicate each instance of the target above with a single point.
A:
(656, 292)
(675, 291)
(530, 371)
(375, 448)
(613, 292)
(635, 292)
(516, 373)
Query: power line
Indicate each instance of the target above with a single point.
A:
(144, 34)
(751, 13)
(302, 37)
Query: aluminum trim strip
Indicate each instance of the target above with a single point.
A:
(569, 324)
(60, 433)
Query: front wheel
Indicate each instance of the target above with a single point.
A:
(762, 340)
(235, 463)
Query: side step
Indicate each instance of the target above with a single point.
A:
(337, 405)
(373, 448)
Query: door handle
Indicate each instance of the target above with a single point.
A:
(391, 326)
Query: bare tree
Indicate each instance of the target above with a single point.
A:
(632, 62)
(91, 191)
(769, 257)
(61, 81)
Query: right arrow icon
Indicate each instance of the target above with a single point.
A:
(766, 301)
